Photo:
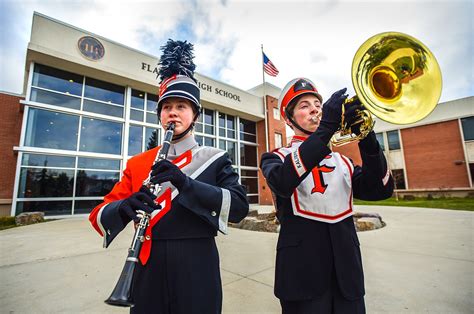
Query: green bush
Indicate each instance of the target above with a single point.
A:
(7, 222)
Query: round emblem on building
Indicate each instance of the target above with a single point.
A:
(91, 48)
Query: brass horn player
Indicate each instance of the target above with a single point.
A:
(178, 264)
(318, 261)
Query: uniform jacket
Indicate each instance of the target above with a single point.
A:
(313, 189)
(210, 198)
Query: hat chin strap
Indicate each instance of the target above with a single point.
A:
(177, 137)
(296, 125)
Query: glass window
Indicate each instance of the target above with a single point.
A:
(222, 145)
(85, 207)
(51, 129)
(230, 122)
(226, 125)
(399, 178)
(101, 136)
(380, 140)
(251, 185)
(136, 115)
(209, 129)
(45, 182)
(468, 128)
(249, 179)
(206, 122)
(393, 140)
(152, 118)
(208, 141)
(198, 127)
(278, 140)
(151, 102)
(152, 138)
(222, 132)
(249, 173)
(95, 183)
(138, 99)
(276, 114)
(104, 91)
(247, 126)
(221, 120)
(208, 116)
(52, 98)
(96, 163)
(49, 208)
(57, 80)
(199, 139)
(248, 155)
(135, 140)
(48, 160)
(248, 131)
(232, 151)
(101, 108)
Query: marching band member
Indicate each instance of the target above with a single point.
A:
(179, 269)
(318, 263)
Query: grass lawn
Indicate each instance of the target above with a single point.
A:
(446, 203)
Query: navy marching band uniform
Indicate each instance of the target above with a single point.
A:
(183, 264)
(314, 188)
(318, 260)
(179, 263)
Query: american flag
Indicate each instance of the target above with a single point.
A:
(268, 66)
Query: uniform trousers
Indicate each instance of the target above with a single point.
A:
(332, 301)
(181, 276)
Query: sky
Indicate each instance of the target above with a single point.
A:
(313, 39)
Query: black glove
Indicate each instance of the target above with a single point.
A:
(164, 171)
(351, 115)
(332, 114)
(142, 200)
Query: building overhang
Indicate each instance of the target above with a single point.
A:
(54, 43)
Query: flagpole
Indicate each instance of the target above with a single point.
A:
(265, 104)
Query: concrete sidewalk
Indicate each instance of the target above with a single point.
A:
(422, 261)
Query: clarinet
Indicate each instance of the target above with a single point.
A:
(121, 295)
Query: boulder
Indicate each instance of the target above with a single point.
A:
(29, 218)
(368, 223)
(252, 213)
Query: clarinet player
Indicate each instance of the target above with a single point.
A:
(178, 268)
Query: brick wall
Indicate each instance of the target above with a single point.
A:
(434, 156)
(11, 119)
(274, 125)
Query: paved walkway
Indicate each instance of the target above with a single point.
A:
(422, 261)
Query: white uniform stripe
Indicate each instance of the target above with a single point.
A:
(298, 163)
(206, 164)
(175, 92)
(386, 178)
(101, 227)
(225, 209)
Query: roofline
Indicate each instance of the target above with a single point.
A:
(90, 33)
(266, 83)
(12, 94)
(127, 47)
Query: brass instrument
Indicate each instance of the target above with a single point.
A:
(396, 78)
(122, 293)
